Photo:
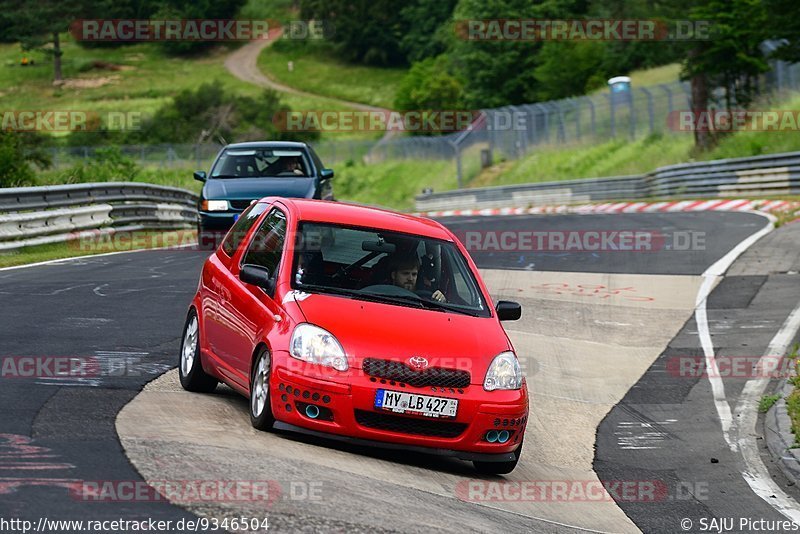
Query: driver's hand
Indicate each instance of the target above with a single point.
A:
(438, 296)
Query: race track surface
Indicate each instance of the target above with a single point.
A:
(595, 328)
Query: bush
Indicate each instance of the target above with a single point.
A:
(210, 114)
(107, 165)
(17, 152)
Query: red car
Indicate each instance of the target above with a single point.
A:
(362, 325)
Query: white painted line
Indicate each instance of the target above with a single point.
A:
(90, 256)
(756, 473)
(703, 332)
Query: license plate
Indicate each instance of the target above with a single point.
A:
(411, 403)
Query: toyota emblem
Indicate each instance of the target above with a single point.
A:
(418, 362)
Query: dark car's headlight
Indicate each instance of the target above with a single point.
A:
(314, 345)
(503, 373)
(214, 205)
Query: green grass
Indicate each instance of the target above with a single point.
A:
(621, 157)
(149, 80)
(173, 177)
(767, 402)
(392, 184)
(317, 71)
(129, 241)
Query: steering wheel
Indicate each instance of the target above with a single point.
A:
(389, 290)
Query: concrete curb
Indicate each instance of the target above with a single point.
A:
(780, 439)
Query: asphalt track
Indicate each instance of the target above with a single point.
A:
(126, 311)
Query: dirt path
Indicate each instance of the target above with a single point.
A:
(243, 63)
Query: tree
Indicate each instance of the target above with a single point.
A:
(17, 152)
(364, 31)
(730, 58)
(786, 28)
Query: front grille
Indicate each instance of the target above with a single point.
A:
(240, 205)
(408, 425)
(434, 376)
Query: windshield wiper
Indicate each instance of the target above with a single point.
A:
(327, 289)
(423, 303)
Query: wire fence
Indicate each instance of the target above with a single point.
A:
(502, 133)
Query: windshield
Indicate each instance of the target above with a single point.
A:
(384, 266)
(262, 162)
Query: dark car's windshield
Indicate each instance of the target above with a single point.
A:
(384, 266)
(262, 162)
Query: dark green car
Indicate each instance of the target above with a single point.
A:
(244, 172)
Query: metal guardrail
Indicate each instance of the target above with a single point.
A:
(51, 214)
(775, 174)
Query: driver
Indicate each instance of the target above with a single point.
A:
(293, 165)
(404, 274)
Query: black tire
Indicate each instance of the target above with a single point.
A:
(498, 468)
(260, 408)
(190, 368)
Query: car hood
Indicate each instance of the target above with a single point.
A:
(391, 332)
(256, 188)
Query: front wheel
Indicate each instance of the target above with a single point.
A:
(193, 377)
(498, 468)
(260, 408)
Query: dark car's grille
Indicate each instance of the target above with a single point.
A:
(434, 376)
(240, 205)
(408, 425)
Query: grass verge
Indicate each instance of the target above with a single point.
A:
(316, 70)
(793, 399)
(120, 242)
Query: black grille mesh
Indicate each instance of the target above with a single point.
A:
(408, 425)
(240, 204)
(434, 376)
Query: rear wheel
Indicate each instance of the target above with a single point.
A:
(498, 468)
(260, 408)
(193, 378)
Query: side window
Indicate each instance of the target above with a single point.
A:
(317, 162)
(243, 225)
(267, 245)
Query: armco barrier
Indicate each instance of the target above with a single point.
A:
(775, 174)
(50, 214)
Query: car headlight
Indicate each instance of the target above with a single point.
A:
(314, 345)
(504, 373)
(214, 205)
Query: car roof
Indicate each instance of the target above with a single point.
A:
(346, 214)
(268, 144)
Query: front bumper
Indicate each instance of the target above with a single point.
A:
(217, 221)
(347, 413)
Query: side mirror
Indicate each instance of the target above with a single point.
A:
(326, 174)
(508, 311)
(257, 276)
(200, 176)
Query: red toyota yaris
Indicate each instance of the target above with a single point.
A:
(362, 325)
